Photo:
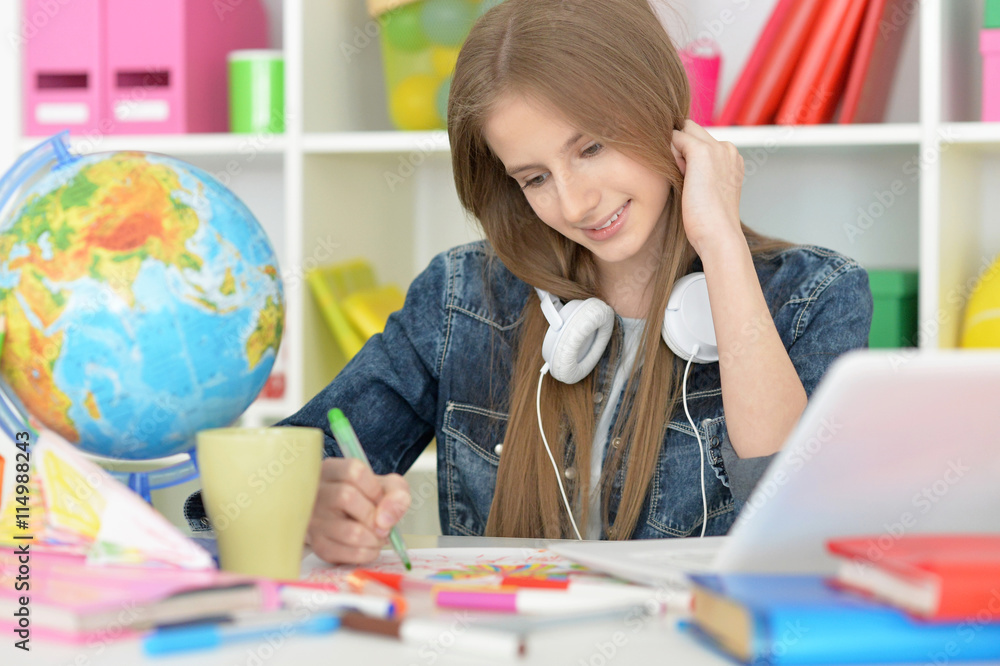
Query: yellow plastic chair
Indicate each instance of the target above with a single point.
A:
(354, 306)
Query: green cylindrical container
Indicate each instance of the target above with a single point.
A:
(894, 320)
(257, 91)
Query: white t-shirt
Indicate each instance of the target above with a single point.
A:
(632, 329)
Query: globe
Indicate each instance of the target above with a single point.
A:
(143, 300)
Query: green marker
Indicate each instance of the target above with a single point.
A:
(351, 447)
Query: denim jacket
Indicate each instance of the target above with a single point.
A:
(442, 366)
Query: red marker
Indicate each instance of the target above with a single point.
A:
(398, 582)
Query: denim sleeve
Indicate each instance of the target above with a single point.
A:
(835, 321)
(388, 390)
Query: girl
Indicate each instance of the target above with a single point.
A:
(570, 146)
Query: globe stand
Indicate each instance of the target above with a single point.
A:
(145, 476)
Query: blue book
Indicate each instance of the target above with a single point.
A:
(799, 619)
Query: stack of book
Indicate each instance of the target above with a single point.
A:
(69, 600)
(920, 599)
(815, 56)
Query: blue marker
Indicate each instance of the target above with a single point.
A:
(172, 640)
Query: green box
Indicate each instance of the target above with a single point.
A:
(991, 14)
(894, 320)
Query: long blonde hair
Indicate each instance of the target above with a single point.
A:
(612, 70)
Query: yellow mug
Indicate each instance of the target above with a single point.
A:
(259, 486)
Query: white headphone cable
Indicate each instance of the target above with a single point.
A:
(701, 447)
(538, 411)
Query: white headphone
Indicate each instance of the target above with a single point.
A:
(579, 332)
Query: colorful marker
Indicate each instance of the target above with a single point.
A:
(397, 581)
(351, 448)
(669, 599)
(405, 583)
(542, 602)
(239, 628)
(319, 599)
(463, 638)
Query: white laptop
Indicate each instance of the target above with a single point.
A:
(892, 442)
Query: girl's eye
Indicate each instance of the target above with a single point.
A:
(592, 149)
(534, 182)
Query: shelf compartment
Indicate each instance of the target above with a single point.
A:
(180, 145)
(354, 143)
(778, 136)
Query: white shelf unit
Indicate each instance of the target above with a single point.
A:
(910, 193)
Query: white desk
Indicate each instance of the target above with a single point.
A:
(596, 643)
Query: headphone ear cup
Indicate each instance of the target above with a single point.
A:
(573, 350)
(687, 321)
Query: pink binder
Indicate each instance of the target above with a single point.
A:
(166, 62)
(63, 86)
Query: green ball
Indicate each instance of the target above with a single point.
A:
(447, 22)
(442, 98)
(402, 28)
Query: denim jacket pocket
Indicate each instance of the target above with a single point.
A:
(467, 466)
(673, 510)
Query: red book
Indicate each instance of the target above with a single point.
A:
(819, 78)
(744, 84)
(940, 576)
(870, 78)
(776, 71)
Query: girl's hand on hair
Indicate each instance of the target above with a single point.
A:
(354, 510)
(713, 178)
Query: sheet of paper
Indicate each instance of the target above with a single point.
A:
(452, 564)
(78, 507)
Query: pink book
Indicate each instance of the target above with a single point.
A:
(69, 600)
